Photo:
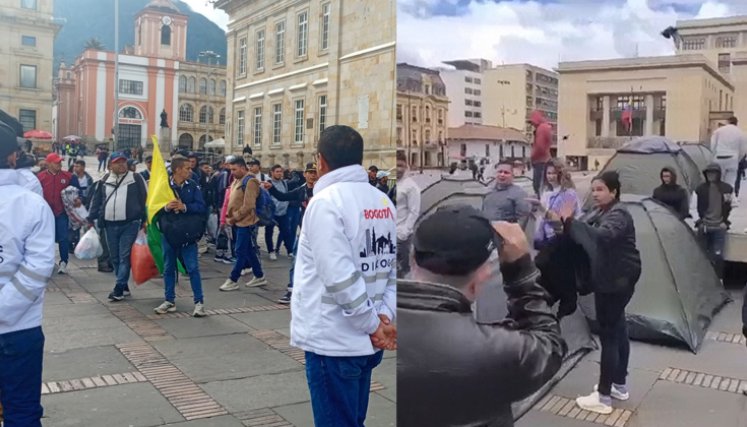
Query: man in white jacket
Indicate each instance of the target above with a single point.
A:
(27, 257)
(344, 297)
(408, 211)
(729, 146)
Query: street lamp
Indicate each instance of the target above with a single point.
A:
(209, 54)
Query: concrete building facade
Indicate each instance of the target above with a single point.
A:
(512, 92)
(422, 111)
(202, 105)
(680, 97)
(295, 67)
(464, 89)
(27, 32)
(478, 142)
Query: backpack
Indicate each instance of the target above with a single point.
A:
(265, 206)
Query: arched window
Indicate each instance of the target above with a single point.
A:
(202, 139)
(223, 87)
(222, 116)
(130, 113)
(182, 83)
(206, 114)
(166, 35)
(186, 113)
(191, 85)
(203, 86)
(185, 141)
(211, 88)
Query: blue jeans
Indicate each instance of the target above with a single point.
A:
(188, 255)
(246, 254)
(61, 236)
(293, 265)
(715, 239)
(340, 387)
(283, 236)
(21, 355)
(120, 238)
(294, 220)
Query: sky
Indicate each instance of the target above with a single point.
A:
(543, 32)
(205, 8)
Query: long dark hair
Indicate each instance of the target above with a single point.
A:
(611, 180)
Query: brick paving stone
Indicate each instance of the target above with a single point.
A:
(550, 403)
(613, 417)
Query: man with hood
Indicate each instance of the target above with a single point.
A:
(507, 201)
(452, 370)
(540, 149)
(672, 194)
(714, 206)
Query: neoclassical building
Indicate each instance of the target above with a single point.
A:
(202, 104)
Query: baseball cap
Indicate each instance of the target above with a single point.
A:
(117, 156)
(382, 174)
(53, 158)
(454, 241)
(311, 167)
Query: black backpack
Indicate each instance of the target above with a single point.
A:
(181, 229)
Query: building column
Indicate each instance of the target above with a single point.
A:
(606, 116)
(649, 129)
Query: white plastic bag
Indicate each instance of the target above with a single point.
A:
(89, 246)
(212, 225)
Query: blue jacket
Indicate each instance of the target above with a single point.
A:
(189, 193)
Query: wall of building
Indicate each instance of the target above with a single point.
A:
(505, 103)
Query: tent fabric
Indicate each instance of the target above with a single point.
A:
(650, 144)
(699, 153)
(678, 292)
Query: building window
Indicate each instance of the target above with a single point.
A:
(468, 79)
(322, 113)
(414, 114)
(130, 87)
(240, 128)
(206, 114)
(242, 56)
(211, 87)
(182, 83)
(29, 4)
(203, 86)
(468, 114)
(259, 62)
(440, 116)
(326, 10)
(298, 137)
(280, 42)
(277, 123)
(27, 119)
(223, 87)
(478, 114)
(468, 102)
(635, 130)
(166, 35)
(693, 43)
(302, 42)
(399, 111)
(130, 113)
(726, 42)
(28, 41)
(222, 116)
(191, 85)
(477, 92)
(478, 81)
(598, 127)
(257, 126)
(468, 90)
(724, 62)
(186, 113)
(28, 76)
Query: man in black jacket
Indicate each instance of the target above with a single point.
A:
(672, 194)
(714, 207)
(452, 371)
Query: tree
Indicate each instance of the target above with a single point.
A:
(94, 43)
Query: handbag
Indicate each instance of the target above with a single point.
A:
(181, 229)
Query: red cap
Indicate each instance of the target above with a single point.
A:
(54, 158)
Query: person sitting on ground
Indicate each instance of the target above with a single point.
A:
(451, 370)
(672, 194)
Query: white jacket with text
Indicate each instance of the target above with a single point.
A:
(27, 253)
(345, 273)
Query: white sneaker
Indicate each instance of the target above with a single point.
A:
(256, 282)
(165, 307)
(62, 267)
(229, 285)
(246, 271)
(273, 256)
(616, 393)
(593, 403)
(199, 310)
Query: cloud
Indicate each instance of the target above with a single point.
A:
(203, 7)
(543, 33)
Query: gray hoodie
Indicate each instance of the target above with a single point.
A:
(506, 203)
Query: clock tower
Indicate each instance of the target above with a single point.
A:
(161, 31)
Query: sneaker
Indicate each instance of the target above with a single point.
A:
(202, 249)
(62, 267)
(246, 271)
(114, 297)
(594, 403)
(165, 307)
(285, 299)
(105, 269)
(229, 260)
(273, 256)
(229, 285)
(199, 310)
(126, 292)
(617, 392)
(218, 258)
(256, 282)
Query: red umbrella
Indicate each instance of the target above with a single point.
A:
(37, 134)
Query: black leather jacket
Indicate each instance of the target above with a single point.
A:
(452, 371)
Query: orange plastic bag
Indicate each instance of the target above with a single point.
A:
(143, 266)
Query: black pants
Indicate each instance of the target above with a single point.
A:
(403, 257)
(613, 334)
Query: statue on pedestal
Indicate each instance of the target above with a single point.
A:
(164, 119)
